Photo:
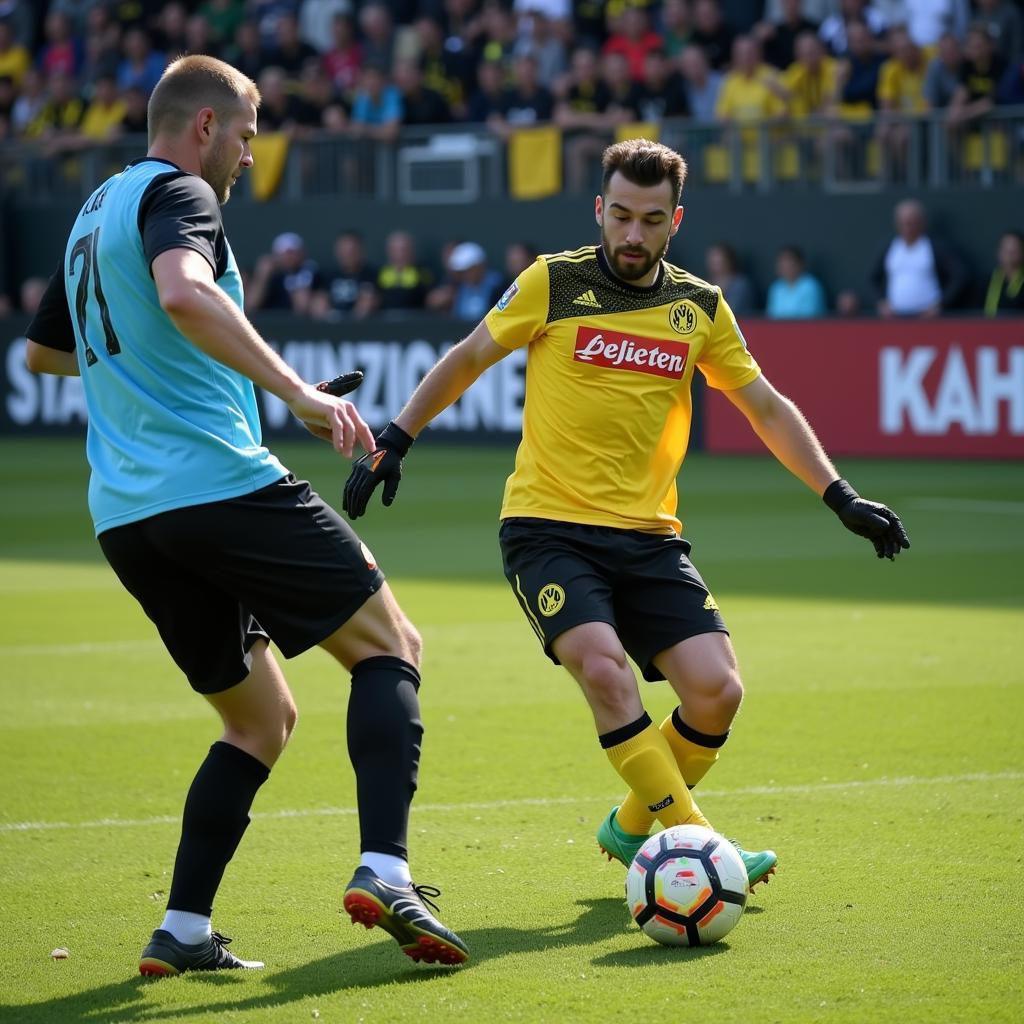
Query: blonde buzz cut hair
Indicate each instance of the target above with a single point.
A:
(190, 83)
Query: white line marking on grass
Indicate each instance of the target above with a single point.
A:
(1006, 508)
(897, 781)
(100, 647)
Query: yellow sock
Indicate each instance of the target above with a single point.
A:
(695, 753)
(644, 761)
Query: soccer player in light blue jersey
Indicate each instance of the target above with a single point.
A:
(220, 544)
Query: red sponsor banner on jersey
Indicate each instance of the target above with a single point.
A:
(630, 352)
(907, 387)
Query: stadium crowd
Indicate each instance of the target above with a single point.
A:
(77, 73)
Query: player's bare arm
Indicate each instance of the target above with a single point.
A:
(207, 317)
(453, 374)
(788, 436)
(41, 359)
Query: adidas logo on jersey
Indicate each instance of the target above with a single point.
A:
(588, 298)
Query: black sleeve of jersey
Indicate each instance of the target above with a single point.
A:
(51, 326)
(180, 211)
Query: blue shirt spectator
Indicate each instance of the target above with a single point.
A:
(377, 102)
(795, 294)
(142, 66)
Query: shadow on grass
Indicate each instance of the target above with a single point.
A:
(367, 967)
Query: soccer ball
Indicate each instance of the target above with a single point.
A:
(687, 886)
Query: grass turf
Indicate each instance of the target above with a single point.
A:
(878, 751)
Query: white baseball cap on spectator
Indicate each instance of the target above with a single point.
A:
(287, 241)
(464, 256)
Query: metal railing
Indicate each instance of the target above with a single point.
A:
(466, 163)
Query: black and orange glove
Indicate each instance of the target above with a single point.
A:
(878, 523)
(383, 465)
(341, 385)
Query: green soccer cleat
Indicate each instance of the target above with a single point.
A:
(759, 864)
(402, 911)
(616, 844)
(165, 956)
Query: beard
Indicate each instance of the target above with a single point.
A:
(220, 176)
(631, 271)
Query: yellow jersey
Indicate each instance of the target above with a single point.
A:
(606, 420)
(902, 88)
(810, 91)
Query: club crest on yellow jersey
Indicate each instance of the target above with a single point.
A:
(682, 317)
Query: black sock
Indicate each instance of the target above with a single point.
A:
(384, 735)
(215, 818)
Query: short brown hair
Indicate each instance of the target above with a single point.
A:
(191, 83)
(644, 163)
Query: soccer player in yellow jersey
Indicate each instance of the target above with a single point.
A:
(589, 533)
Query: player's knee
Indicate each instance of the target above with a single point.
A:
(730, 695)
(607, 681)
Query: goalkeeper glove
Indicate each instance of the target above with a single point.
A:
(868, 519)
(383, 464)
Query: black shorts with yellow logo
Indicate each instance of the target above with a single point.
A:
(642, 584)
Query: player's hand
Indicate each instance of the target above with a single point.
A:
(383, 464)
(333, 419)
(868, 519)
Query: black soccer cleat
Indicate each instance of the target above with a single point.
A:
(165, 956)
(402, 912)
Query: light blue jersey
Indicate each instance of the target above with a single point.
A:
(169, 426)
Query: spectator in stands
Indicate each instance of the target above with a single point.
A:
(199, 37)
(810, 82)
(723, 270)
(497, 36)
(915, 274)
(711, 33)
(136, 117)
(344, 58)
(223, 17)
(1003, 21)
(661, 92)
(15, 60)
(702, 84)
(284, 278)
(942, 78)
(30, 101)
(835, 29)
(101, 48)
(676, 26)
(848, 303)
(402, 284)
(582, 114)
(266, 13)
(477, 286)
(321, 107)
(445, 71)
(61, 52)
(420, 105)
(290, 52)
(900, 94)
(778, 38)
(518, 256)
(282, 110)
(750, 90)
(351, 290)
(378, 34)
(8, 94)
(1005, 292)
(376, 107)
(980, 76)
(316, 21)
(1011, 88)
(168, 33)
(141, 66)
(103, 117)
(527, 102)
(634, 40)
(486, 99)
(858, 73)
(56, 124)
(623, 92)
(795, 293)
(541, 40)
(246, 51)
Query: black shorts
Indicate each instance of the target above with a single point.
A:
(642, 584)
(215, 578)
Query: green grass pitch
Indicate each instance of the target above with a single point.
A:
(878, 750)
